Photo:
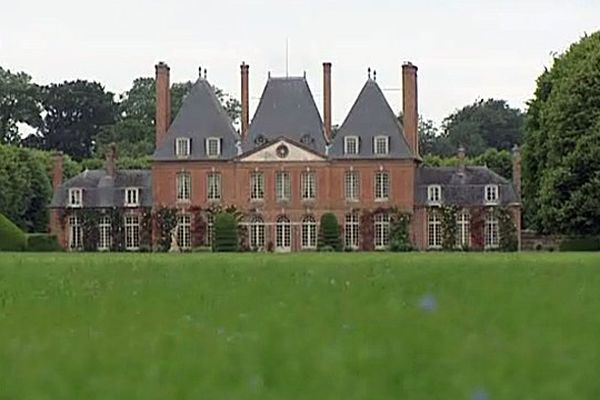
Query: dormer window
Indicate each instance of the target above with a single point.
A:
(75, 197)
(182, 147)
(491, 194)
(351, 144)
(434, 194)
(213, 147)
(381, 145)
(132, 197)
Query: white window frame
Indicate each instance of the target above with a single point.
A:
(434, 195)
(183, 186)
(381, 140)
(309, 233)
(257, 186)
(213, 186)
(256, 234)
(491, 194)
(491, 231)
(132, 232)
(382, 186)
(75, 197)
(381, 237)
(210, 228)
(434, 230)
(309, 185)
(351, 143)
(184, 231)
(463, 229)
(283, 187)
(351, 230)
(75, 233)
(215, 140)
(352, 185)
(183, 147)
(104, 233)
(283, 234)
(132, 197)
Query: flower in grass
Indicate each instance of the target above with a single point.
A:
(480, 394)
(428, 303)
(220, 331)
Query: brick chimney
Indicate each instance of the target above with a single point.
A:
(410, 107)
(163, 101)
(57, 169)
(244, 68)
(327, 100)
(111, 160)
(461, 160)
(516, 161)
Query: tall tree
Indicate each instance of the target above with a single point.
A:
(19, 103)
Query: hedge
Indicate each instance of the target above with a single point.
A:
(329, 235)
(584, 243)
(42, 242)
(11, 237)
(225, 233)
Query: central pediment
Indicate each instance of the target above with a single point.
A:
(282, 150)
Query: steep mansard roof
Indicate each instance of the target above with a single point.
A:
(101, 190)
(286, 108)
(201, 116)
(371, 116)
(466, 189)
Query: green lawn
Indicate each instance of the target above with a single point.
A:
(303, 326)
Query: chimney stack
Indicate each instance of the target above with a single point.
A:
(461, 160)
(57, 169)
(163, 102)
(410, 108)
(245, 100)
(516, 159)
(111, 160)
(327, 100)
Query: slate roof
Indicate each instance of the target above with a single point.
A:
(466, 189)
(286, 108)
(101, 190)
(370, 116)
(201, 116)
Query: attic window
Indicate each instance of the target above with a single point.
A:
(213, 147)
(307, 139)
(75, 197)
(182, 147)
(434, 194)
(381, 145)
(260, 140)
(132, 197)
(491, 194)
(351, 144)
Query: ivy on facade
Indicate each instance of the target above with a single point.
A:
(449, 229)
(400, 230)
(165, 219)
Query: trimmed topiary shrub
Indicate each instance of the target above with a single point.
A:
(225, 232)
(329, 233)
(584, 243)
(42, 242)
(11, 237)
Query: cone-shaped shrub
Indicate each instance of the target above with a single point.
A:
(329, 233)
(11, 237)
(225, 233)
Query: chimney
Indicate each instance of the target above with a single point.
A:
(410, 110)
(57, 169)
(111, 160)
(245, 100)
(461, 160)
(516, 159)
(163, 102)
(327, 100)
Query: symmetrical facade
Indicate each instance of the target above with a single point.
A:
(285, 168)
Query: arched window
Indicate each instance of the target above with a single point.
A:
(434, 230)
(309, 232)
(382, 230)
(491, 234)
(257, 233)
(104, 233)
(463, 231)
(351, 230)
(283, 240)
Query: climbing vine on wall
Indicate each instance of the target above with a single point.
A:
(118, 229)
(145, 229)
(400, 230)
(477, 224)
(165, 220)
(507, 230)
(199, 227)
(367, 231)
(449, 228)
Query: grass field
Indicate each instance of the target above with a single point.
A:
(302, 326)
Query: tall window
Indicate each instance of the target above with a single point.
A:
(381, 145)
(309, 232)
(283, 235)
(213, 147)
(182, 147)
(491, 233)
(210, 224)
(434, 194)
(351, 229)
(463, 234)
(75, 233)
(382, 186)
(434, 230)
(132, 232)
(382, 230)
(257, 233)
(184, 186)
(352, 185)
(132, 197)
(75, 197)
(491, 194)
(214, 186)
(309, 191)
(184, 231)
(104, 233)
(351, 144)
(257, 186)
(282, 186)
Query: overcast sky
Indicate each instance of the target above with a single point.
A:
(464, 49)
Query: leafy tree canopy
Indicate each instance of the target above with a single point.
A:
(19, 103)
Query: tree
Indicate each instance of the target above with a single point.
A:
(561, 156)
(498, 161)
(329, 235)
(225, 232)
(19, 103)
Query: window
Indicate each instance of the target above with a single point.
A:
(75, 233)
(382, 230)
(214, 186)
(75, 198)
(283, 238)
(309, 232)
(104, 233)
(184, 183)
(257, 186)
(182, 147)
(351, 231)
(132, 196)
(382, 186)
(351, 144)
(132, 232)
(434, 194)
(213, 147)
(463, 232)
(184, 231)
(491, 234)
(491, 194)
(381, 145)
(352, 186)
(257, 233)
(434, 230)
(282, 186)
(210, 224)
(308, 186)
